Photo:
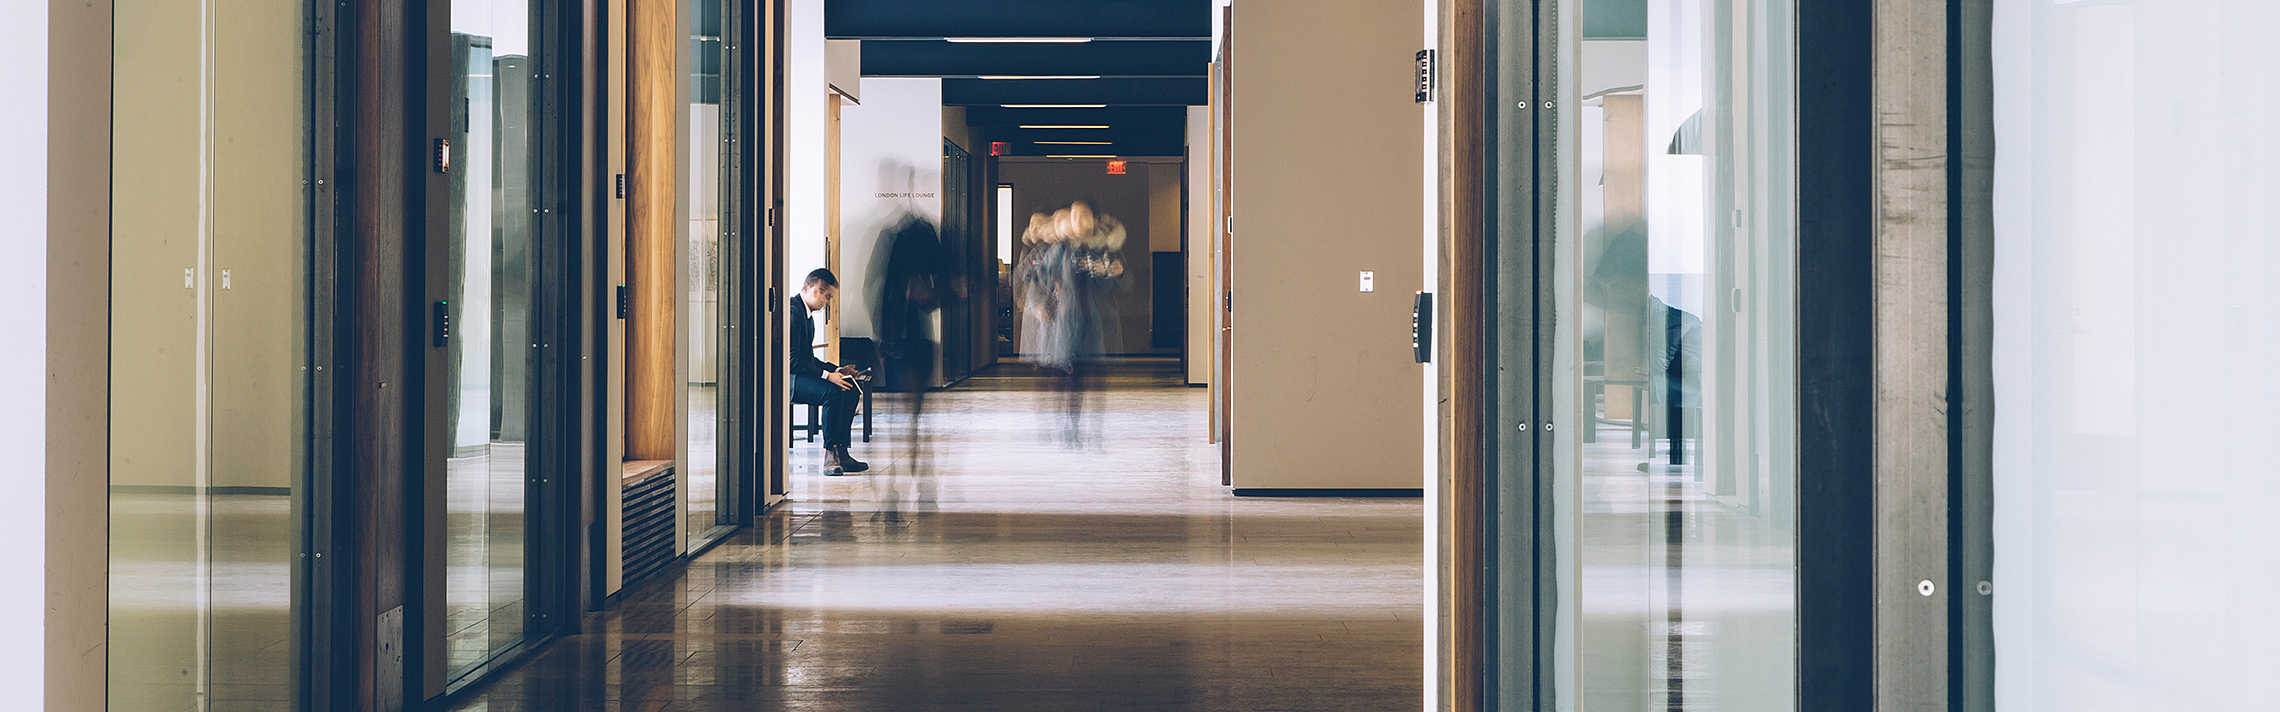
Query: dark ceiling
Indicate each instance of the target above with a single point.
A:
(1145, 62)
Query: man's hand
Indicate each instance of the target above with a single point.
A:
(849, 371)
(838, 379)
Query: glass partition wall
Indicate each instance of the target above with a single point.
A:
(210, 354)
(710, 249)
(1644, 243)
(483, 368)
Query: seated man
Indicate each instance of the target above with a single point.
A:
(818, 382)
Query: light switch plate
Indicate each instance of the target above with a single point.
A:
(1369, 281)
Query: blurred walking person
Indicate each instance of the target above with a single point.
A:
(1067, 272)
(911, 276)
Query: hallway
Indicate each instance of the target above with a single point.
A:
(1013, 573)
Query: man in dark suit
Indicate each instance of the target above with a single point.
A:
(818, 382)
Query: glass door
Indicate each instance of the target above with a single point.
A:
(710, 249)
(1644, 235)
(484, 342)
(210, 447)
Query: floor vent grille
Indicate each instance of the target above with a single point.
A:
(648, 525)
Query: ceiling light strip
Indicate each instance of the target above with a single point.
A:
(1052, 106)
(1064, 126)
(1003, 77)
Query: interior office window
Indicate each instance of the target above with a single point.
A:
(704, 257)
(2136, 289)
(489, 260)
(210, 370)
(1669, 179)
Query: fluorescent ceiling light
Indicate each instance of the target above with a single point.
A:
(1039, 76)
(1019, 40)
(1053, 106)
(1064, 126)
(1079, 156)
(1071, 143)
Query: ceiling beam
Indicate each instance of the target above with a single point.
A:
(1111, 91)
(921, 19)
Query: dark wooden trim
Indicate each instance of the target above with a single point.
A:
(1836, 141)
(778, 401)
(378, 445)
(562, 241)
(1463, 87)
(320, 676)
(433, 73)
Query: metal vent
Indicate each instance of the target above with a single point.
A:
(648, 525)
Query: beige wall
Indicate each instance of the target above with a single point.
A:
(1328, 163)
(1200, 236)
(1164, 229)
(156, 358)
(77, 344)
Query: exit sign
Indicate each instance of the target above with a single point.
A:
(1116, 167)
(1000, 148)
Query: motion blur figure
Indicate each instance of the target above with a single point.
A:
(911, 275)
(1067, 273)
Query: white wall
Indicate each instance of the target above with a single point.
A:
(890, 163)
(23, 356)
(807, 114)
(2137, 253)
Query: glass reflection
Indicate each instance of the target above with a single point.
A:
(209, 352)
(706, 256)
(1672, 261)
(1682, 249)
(489, 285)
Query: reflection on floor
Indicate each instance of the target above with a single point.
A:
(1687, 584)
(483, 573)
(988, 566)
(158, 587)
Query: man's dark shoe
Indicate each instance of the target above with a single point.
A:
(838, 459)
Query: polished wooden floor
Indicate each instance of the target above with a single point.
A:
(1010, 557)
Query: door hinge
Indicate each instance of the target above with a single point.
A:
(771, 217)
(1424, 75)
(443, 155)
(624, 302)
(621, 186)
(1227, 301)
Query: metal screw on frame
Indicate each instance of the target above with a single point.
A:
(1925, 587)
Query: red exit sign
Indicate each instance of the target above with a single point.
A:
(1000, 148)
(1116, 167)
